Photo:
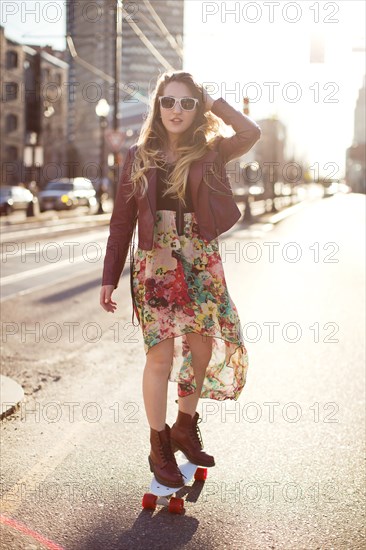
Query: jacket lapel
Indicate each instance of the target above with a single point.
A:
(151, 190)
(195, 176)
(197, 170)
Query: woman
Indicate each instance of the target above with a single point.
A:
(174, 184)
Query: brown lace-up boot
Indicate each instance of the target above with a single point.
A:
(185, 435)
(162, 460)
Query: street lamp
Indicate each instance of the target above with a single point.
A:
(102, 110)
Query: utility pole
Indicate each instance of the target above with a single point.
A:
(117, 79)
(247, 218)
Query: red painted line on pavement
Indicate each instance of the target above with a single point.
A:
(24, 529)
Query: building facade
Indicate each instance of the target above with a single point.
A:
(92, 27)
(269, 154)
(359, 135)
(46, 110)
(12, 115)
(356, 154)
(33, 113)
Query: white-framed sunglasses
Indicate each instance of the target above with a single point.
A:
(186, 103)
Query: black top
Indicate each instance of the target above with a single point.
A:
(170, 202)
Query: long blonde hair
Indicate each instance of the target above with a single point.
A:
(192, 144)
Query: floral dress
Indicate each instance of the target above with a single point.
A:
(179, 287)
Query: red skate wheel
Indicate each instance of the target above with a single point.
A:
(149, 501)
(176, 505)
(200, 474)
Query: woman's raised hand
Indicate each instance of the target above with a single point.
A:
(106, 298)
(208, 100)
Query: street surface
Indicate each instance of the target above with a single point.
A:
(289, 453)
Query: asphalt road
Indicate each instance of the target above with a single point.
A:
(289, 453)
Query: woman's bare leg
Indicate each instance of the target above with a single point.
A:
(155, 382)
(201, 349)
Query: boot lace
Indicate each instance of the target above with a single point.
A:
(166, 451)
(168, 455)
(197, 432)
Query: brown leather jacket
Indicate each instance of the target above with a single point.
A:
(215, 208)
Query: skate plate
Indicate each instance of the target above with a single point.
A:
(163, 495)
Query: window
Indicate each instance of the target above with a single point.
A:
(17, 192)
(11, 59)
(82, 183)
(11, 153)
(11, 91)
(11, 123)
(59, 186)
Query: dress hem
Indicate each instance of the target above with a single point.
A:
(205, 393)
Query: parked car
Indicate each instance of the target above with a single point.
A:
(15, 197)
(67, 193)
(330, 188)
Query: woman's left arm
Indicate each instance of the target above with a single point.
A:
(247, 132)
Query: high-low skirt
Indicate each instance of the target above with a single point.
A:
(179, 287)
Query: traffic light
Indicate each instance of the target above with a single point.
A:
(246, 105)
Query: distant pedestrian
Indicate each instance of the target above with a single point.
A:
(174, 184)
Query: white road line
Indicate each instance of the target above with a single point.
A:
(50, 283)
(45, 467)
(7, 237)
(10, 279)
(7, 255)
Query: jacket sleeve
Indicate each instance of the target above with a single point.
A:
(122, 224)
(247, 132)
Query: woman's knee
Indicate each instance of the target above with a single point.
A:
(159, 358)
(201, 348)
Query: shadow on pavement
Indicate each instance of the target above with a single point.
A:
(70, 292)
(158, 529)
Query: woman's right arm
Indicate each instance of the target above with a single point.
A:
(247, 132)
(122, 224)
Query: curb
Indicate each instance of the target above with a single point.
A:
(276, 217)
(11, 393)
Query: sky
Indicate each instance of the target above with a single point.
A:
(260, 50)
